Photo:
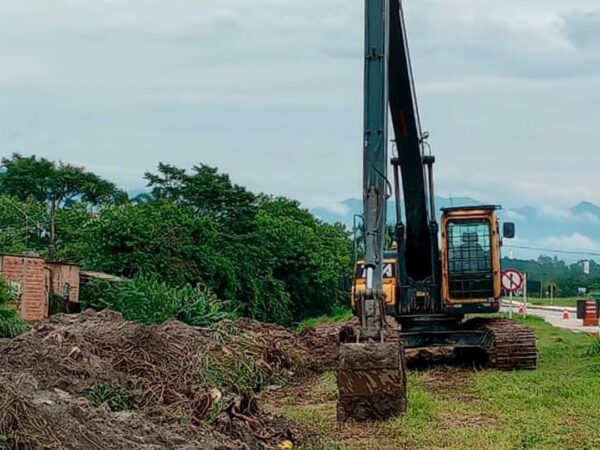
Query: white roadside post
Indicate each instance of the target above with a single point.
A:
(525, 296)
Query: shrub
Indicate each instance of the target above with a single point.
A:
(152, 302)
(594, 349)
(11, 323)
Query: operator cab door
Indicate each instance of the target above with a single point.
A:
(471, 259)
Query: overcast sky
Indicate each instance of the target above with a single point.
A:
(270, 91)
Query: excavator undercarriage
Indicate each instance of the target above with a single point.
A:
(494, 343)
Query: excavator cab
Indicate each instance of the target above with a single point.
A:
(470, 264)
(470, 258)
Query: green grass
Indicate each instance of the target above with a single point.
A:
(556, 406)
(562, 302)
(117, 398)
(339, 314)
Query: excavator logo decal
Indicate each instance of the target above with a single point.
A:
(389, 270)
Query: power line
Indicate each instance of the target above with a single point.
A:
(565, 252)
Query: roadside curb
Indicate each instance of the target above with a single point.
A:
(516, 304)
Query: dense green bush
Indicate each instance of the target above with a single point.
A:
(152, 302)
(11, 324)
(269, 258)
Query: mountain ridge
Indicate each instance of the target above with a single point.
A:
(551, 230)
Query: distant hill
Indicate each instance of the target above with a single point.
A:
(345, 211)
(133, 193)
(575, 229)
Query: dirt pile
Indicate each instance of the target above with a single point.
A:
(323, 342)
(95, 381)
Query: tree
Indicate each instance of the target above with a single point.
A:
(307, 255)
(269, 257)
(21, 225)
(159, 238)
(266, 256)
(208, 192)
(56, 185)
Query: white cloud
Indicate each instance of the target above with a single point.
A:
(336, 208)
(589, 217)
(556, 213)
(271, 91)
(511, 215)
(574, 242)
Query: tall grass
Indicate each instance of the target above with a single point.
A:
(150, 302)
(338, 314)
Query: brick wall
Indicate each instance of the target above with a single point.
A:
(65, 278)
(30, 277)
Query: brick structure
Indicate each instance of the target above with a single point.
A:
(65, 280)
(36, 280)
(29, 276)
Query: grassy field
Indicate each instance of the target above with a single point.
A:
(554, 407)
(572, 301)
(340, 314)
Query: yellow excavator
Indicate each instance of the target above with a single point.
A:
(439, 272)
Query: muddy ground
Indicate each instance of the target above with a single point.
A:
(94, 381)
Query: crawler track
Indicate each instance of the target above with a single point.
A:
(511, 346)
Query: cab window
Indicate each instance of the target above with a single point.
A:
(470, 260)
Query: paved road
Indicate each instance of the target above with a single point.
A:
(554, 316)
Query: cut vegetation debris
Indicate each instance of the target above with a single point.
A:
(96, 381)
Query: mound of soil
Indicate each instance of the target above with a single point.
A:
(180, 387)
(48, 420)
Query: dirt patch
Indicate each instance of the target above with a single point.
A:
(451, 383)
(313, 404)
(323, 342)
(186, 387)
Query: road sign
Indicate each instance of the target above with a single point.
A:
(512, 280)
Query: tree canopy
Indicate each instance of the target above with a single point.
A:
(56, 185)
(267, 257)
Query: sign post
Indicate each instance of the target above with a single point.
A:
(512, 281)
(525, 295)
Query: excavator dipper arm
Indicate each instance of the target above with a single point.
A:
(371, 377)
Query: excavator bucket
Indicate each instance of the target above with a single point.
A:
(371, 380)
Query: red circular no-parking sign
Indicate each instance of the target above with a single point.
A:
(512, 280)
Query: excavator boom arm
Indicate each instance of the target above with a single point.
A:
(407, 131)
